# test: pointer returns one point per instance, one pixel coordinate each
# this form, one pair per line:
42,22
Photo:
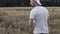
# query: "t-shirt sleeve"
32,14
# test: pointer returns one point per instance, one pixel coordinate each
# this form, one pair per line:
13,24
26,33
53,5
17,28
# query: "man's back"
40,15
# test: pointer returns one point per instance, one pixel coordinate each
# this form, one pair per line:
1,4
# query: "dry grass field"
15,20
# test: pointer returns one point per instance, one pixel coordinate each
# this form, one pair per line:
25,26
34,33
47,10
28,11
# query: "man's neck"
37,5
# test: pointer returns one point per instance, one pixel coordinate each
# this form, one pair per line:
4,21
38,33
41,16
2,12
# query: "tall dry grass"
15,21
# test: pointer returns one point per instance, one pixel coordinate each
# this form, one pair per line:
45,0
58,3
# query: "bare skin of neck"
37,5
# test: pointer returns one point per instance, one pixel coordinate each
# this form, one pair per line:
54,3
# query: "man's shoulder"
35,8
38,7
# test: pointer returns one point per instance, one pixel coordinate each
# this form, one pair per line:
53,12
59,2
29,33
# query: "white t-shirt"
40,15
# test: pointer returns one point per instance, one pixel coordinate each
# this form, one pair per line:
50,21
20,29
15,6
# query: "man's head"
35,2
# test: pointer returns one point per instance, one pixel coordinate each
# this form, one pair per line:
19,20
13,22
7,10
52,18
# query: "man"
38,18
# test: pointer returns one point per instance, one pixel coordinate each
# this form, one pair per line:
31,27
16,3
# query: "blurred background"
14,16
26,3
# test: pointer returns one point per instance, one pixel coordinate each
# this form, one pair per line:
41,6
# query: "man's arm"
32,17
31,23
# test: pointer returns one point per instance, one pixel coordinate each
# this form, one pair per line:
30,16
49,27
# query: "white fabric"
41,33
38,1
40,16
